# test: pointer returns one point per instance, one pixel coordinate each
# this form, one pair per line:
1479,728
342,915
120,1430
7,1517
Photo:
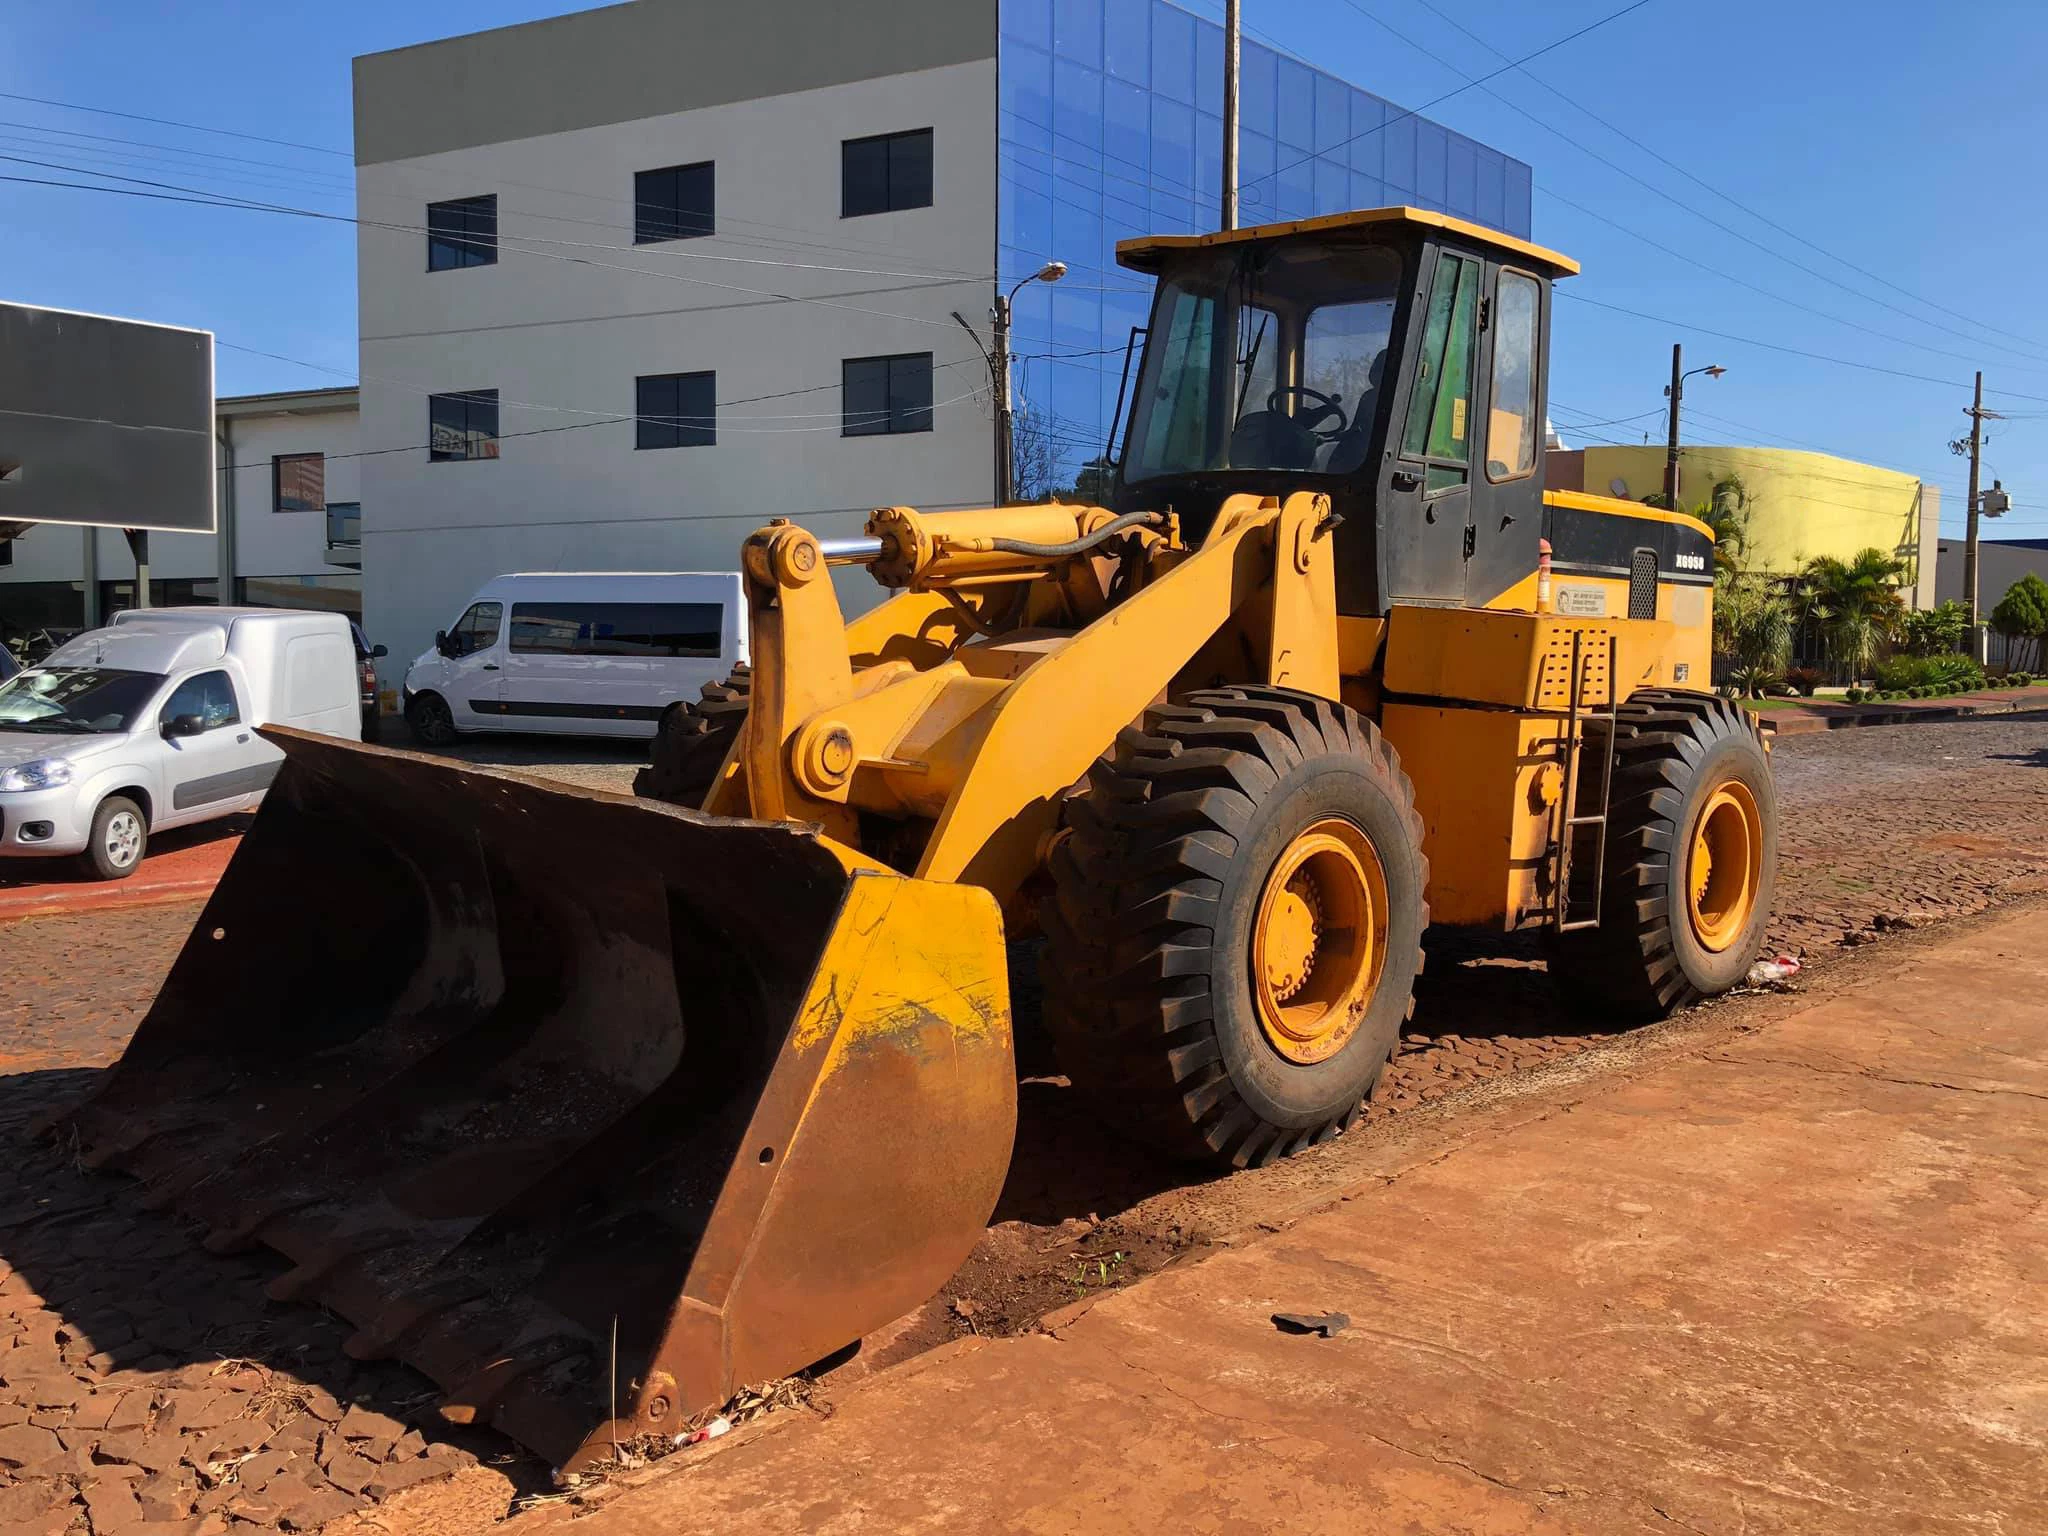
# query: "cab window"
477,629
1439,429
210,696
1511,419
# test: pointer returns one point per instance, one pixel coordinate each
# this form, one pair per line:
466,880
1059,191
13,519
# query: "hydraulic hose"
1080,546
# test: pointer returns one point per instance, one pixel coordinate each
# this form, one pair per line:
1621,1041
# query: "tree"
1855,603
1091,485
1934,631
2022,616
1726,512
1034,458
1752,631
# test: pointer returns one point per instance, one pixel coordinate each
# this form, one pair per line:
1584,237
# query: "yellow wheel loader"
595,1107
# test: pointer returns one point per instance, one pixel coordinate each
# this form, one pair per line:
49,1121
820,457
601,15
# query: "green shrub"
1929,672
1854,696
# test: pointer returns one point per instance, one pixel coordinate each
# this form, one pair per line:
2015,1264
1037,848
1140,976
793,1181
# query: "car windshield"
76,700
1266,357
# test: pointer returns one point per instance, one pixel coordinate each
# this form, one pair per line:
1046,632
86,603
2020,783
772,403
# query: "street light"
1679,374
999,365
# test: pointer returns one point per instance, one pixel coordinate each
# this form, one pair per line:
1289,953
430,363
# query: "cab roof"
1147,254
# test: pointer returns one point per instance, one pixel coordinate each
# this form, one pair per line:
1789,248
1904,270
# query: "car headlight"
43,773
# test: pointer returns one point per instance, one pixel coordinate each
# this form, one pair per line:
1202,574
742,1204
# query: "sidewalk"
1806,718
182,866
1791,1282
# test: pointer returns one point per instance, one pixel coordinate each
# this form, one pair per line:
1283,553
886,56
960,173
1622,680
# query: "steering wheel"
1325,409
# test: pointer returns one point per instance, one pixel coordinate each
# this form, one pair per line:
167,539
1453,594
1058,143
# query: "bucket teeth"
241,1233
478,1394
310,1275
381,1336
529,1069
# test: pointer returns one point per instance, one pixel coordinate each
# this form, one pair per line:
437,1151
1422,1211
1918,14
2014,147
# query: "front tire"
1235,926
1692,854
430,720
119,839
692,742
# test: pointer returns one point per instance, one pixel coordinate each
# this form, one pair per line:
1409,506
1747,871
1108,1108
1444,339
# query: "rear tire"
692,741
430,720
1163,960
1691,777
119,839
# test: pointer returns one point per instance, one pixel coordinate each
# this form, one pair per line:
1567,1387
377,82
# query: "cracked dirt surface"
1778,1275
1886,831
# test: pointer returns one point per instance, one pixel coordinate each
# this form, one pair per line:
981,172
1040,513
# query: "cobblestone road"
144,1389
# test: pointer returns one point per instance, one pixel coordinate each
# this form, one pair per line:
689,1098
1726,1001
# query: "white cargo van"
580,653
150,723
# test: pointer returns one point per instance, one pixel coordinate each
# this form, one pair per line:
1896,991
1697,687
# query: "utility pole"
1676,392
1970,541
999,372
1671,445
1232,36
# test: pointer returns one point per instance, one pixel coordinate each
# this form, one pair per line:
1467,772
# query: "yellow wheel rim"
1726,866
1320,941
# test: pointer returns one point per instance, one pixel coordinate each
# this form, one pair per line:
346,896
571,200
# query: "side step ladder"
1578,896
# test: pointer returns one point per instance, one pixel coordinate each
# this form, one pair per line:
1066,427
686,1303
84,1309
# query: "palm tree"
1726,512
1855,603
1752,631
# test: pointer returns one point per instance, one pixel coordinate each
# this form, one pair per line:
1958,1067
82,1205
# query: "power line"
165,122
1705,185
1772,346
2037,359
1402,116
251,205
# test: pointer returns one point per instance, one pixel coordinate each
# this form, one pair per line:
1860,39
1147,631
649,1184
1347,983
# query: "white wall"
272,543
563,342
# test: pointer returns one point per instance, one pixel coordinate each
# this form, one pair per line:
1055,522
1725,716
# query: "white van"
150,723
579,653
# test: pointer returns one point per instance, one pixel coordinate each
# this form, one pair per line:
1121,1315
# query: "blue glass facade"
1111,128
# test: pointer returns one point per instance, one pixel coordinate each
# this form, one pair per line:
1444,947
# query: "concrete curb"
1834,717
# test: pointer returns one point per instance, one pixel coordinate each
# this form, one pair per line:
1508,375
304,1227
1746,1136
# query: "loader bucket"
509,1070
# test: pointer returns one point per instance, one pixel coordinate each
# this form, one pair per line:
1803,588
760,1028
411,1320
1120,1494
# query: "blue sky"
1890,134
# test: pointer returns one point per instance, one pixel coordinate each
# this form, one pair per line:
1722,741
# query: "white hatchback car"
151,723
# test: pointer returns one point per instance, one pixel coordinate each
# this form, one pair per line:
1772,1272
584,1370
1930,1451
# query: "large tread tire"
691,743
1148,991
1671,751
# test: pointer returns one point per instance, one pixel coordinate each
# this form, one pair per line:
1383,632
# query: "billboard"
105,422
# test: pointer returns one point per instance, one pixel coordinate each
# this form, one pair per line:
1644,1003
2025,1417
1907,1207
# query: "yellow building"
1800,504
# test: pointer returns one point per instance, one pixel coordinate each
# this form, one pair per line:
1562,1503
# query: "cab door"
214,762
474,660
1426,486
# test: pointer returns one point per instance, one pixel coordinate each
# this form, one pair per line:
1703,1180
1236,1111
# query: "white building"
531,202
289,512
634,280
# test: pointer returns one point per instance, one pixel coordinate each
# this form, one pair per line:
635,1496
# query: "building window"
462,426
679,203
887,394
345,523
298,482
463,233
677,410
885,173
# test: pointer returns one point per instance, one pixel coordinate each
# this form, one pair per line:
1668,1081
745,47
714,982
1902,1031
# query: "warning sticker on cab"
1582,602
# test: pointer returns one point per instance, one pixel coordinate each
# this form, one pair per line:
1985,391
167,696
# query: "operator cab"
1391,358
